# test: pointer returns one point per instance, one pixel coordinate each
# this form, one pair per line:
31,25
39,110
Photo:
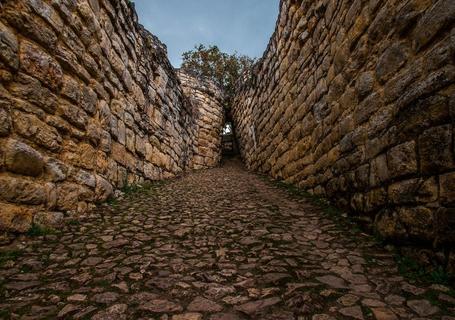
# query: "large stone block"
413,191
30,89
402,159
20,190
130,140
87,156
419,221
74,115
105,141
104,189
391,60
23,159
31,127
435,149
68,196
121,133
9,47
85,178
47,13
379,172
88,100
375,199
71,89
441,14
447,188
15,218
20,16
39,64
389,226
56,170
364,84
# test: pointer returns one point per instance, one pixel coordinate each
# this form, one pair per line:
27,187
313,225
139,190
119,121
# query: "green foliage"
9,255
131,190
412,270
37,231
4,314
225,69
322,203
74,222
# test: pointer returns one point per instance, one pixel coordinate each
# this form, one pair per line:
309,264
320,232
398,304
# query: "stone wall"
206,98
88,103
355,101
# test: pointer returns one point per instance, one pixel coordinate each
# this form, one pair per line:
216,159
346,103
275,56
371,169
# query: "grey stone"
391,60
22,159
105,298
160,306
439,15
19,190
204,305
402,159
435,149
364,84
259,306
5,122
423,307
56,170
8,47
332,281
352,312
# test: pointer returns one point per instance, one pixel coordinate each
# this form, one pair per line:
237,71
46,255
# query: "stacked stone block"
355,101
89,103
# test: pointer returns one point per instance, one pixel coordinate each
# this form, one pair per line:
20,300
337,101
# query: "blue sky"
244,26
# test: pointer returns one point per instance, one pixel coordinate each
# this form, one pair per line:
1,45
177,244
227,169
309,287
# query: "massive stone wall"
207,99
355,101
88,103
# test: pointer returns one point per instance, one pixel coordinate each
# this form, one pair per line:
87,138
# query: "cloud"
244,26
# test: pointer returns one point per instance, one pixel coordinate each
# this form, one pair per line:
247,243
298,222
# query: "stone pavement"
218,244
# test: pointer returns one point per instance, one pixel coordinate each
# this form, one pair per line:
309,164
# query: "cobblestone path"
219,244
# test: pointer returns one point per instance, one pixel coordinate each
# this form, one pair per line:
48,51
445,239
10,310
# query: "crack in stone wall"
354,101
89,103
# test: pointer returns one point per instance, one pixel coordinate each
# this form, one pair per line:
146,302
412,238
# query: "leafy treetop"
224,69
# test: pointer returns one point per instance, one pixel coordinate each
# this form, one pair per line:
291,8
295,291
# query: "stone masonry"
352,101
208,114
229,246
355,101
89,103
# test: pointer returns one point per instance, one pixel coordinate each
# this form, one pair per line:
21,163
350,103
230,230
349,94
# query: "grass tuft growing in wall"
10,255
131,190
412,270
38,231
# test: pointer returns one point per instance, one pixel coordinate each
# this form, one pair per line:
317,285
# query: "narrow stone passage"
216,244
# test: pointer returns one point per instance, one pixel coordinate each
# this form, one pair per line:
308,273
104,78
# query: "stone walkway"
219,244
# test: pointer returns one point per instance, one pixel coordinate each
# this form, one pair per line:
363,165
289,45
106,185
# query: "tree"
224,69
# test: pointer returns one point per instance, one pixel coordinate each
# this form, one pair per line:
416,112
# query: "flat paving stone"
220,244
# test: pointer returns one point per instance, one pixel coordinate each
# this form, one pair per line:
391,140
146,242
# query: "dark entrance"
228,142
